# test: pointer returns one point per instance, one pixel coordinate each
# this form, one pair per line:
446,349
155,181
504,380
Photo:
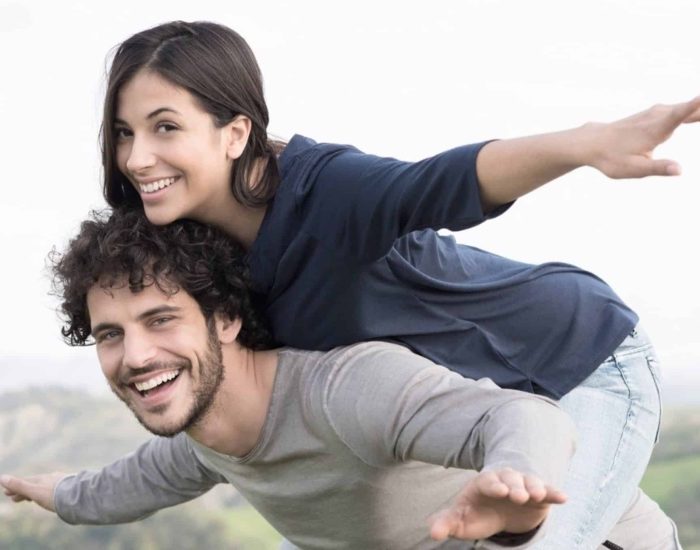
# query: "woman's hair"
214,64
123,248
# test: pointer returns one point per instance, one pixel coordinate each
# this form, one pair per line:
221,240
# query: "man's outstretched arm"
161,473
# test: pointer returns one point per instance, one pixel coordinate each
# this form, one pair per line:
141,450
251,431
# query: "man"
365,446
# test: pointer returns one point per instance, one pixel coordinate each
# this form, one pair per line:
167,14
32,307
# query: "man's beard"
211,375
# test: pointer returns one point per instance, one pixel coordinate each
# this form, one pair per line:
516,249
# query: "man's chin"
162,427
161,420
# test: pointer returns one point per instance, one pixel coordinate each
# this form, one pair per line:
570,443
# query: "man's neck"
234,422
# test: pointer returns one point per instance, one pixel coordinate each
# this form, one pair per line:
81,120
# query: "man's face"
157,353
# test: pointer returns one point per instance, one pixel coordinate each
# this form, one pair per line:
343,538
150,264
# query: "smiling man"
365,446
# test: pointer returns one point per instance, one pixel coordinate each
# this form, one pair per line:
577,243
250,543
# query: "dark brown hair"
123,247
214,64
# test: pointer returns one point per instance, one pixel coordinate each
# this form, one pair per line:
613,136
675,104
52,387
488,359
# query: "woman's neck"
238,221
241,223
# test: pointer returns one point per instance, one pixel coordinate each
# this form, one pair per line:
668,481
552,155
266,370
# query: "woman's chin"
161,216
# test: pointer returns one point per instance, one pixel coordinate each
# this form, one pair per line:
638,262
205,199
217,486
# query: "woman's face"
170,150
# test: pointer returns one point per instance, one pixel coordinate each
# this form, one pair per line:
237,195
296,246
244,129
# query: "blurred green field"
673,476
663,478
252,531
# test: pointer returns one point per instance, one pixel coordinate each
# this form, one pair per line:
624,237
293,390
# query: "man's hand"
495,501
624,148
38,489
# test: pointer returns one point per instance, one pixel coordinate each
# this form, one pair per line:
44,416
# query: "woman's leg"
617,411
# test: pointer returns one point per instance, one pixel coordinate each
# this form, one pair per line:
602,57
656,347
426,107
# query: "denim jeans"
617,412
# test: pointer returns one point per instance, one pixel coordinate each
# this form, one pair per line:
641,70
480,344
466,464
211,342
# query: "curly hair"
123,247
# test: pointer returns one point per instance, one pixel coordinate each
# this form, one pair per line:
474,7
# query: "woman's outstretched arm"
510,168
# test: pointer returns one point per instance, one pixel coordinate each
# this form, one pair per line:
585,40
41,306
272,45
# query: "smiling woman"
234,89
173,154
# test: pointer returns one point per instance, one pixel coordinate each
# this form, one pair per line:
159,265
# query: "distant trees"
174,529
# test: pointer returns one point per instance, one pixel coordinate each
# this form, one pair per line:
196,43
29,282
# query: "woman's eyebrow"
150,115
161,110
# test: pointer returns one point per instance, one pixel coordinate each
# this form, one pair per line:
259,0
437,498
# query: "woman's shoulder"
302,152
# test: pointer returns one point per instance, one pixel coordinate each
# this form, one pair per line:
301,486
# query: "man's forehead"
117,298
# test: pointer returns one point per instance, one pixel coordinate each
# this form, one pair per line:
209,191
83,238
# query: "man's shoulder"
365,354
355,368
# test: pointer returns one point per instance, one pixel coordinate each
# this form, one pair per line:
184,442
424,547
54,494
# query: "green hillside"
673,477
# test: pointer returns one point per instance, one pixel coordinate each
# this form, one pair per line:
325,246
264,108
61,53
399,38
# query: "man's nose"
141,155
139,351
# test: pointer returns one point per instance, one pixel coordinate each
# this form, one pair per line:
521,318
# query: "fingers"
441,524
38,489
14,487
688,111
517,487
642,166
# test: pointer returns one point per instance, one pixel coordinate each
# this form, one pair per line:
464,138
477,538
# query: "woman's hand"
624,148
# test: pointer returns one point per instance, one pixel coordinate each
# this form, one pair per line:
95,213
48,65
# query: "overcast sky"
405,79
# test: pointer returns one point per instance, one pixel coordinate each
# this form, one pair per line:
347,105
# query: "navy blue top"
348,251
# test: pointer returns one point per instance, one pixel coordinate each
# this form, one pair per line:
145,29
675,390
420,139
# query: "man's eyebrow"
151,114
158,310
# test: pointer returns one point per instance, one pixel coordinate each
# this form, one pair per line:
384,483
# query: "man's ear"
227,329
236,134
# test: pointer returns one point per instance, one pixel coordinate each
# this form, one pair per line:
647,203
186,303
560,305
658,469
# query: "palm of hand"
495,501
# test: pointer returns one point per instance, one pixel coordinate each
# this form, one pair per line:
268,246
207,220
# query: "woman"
343,245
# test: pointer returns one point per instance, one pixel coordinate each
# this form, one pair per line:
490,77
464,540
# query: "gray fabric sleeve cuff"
57,499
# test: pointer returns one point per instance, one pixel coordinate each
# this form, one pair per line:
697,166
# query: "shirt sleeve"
362,203
163,472
390,405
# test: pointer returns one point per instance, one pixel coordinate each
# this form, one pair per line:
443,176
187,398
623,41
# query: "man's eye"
109,335
161,321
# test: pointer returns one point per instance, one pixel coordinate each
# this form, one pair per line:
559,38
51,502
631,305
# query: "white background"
404,79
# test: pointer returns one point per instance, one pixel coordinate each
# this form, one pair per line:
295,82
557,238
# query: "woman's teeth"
156,185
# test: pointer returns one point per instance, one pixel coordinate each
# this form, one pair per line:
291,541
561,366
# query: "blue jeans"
617,412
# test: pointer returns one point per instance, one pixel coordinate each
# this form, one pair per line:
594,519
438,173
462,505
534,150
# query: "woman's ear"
236,134
227,329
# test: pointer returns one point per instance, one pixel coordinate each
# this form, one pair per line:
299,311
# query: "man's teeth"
156,185
156,380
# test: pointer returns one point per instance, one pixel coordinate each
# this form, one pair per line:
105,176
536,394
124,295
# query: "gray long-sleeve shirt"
360,445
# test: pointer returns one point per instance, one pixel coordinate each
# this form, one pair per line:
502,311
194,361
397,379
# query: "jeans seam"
650,359
585,526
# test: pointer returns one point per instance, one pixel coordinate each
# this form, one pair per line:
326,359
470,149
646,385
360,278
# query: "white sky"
405,79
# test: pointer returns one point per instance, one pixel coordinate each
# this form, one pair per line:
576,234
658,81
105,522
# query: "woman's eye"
122,133
165,127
